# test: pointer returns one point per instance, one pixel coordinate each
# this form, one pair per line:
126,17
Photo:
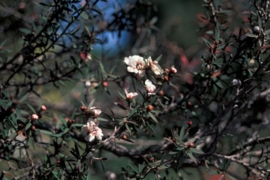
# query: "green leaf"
153,117
217,33
122,95
88,176
154,20
32,142
134,168
5,103
50,133
150,127
91,103
113,76
32,109
132,113
227,164
77,125
46,132
207,42
65,131
55,174
64,122
28,126
128,128
189,153
23,98
182,133
196,151
102,68
251,35
61,82
101,119
158,58
23,112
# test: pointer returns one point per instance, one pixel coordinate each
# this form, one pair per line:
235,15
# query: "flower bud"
161,93
87,83
166,78
83,108
150,107
105,84
43,108
33,128
34,117
173,70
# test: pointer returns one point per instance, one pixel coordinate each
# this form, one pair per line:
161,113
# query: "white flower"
153,65
130,95
150,87
91,131
94,111
136,64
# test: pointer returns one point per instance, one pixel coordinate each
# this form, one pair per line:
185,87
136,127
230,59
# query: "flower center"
139,66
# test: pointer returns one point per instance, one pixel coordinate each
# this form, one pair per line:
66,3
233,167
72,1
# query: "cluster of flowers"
90,130
138,65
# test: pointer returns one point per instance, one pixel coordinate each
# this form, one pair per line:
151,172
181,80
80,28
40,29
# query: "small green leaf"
64,122
102,68
28,126
189,153
61,82
55,174
91,103
196,151
50,133
134,168
65,131
88,176
227,164
152,129
251,35
122,95
132,113
182,133
32,109
101,119
153,117
128,128
158,58
77,125
46,132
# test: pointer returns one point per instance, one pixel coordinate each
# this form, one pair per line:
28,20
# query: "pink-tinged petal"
150,87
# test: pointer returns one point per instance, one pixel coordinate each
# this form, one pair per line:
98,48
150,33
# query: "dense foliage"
151,109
